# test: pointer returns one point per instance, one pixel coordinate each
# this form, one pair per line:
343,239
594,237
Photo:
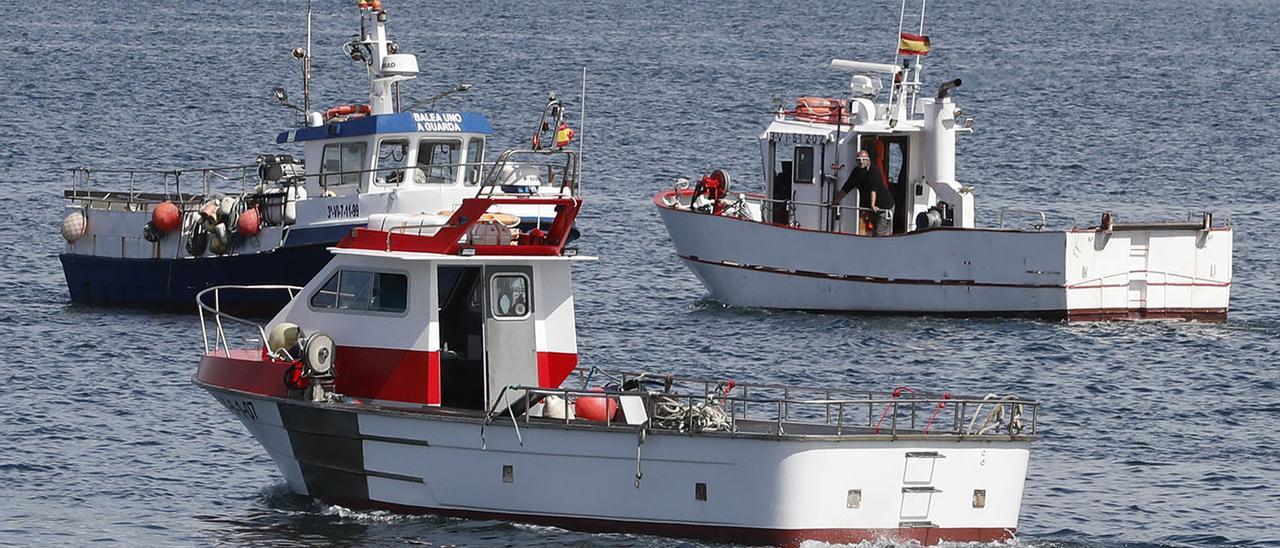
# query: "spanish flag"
913,44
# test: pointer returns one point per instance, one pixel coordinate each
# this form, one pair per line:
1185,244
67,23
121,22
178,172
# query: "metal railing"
549,173
1038,226
169,186
220,337
737,207
407,228
774,410
792,204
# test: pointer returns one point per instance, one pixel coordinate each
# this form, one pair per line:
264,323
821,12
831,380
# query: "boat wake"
367,516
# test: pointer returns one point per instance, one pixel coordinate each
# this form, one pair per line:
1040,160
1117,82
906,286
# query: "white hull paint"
429,463
1079,274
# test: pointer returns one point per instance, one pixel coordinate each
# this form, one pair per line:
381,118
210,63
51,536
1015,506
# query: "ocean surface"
1153,433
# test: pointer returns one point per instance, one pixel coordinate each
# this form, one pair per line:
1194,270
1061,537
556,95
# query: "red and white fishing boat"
795,247
430,368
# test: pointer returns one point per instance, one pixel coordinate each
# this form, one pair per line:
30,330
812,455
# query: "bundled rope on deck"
995,418
704,416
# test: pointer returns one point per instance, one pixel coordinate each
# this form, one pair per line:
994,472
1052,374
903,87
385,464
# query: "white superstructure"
794,246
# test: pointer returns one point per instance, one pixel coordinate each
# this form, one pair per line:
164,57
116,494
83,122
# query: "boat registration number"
797,138
240,408
344,211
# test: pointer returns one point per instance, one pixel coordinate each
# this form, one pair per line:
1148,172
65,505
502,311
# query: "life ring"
821,109
347,110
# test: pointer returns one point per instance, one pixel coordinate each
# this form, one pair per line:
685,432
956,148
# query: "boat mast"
386,65
306,65
893,88
582,128
915,89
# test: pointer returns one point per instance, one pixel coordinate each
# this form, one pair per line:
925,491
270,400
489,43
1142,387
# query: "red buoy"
249,222
166,217
595,408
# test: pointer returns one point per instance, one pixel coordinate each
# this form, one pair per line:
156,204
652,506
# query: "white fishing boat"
797,246
168,234
430,369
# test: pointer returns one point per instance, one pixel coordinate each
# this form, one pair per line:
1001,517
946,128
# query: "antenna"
432,100
582,128
919,62
902,12
306,64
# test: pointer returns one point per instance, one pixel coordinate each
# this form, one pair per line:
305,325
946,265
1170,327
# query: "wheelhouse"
807,153
389,152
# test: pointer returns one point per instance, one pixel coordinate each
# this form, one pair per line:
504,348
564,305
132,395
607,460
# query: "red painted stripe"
434,380
1075,314
411,376
245,371
742,535
1119,314
555,367
383,373
868,279
914,281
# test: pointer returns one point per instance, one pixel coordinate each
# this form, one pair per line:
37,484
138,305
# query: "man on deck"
873,192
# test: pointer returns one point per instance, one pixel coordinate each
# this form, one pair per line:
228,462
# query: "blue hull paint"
328,235
173,283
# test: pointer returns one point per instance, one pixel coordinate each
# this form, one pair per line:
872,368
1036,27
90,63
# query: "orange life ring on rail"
821,109
347,110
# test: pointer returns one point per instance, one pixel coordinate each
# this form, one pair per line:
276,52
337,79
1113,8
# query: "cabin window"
509,296
804,165
363,291
475,160
393,156
346,159
438,161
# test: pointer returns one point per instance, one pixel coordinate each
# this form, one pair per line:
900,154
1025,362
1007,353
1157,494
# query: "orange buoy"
166,217
596,408
249,222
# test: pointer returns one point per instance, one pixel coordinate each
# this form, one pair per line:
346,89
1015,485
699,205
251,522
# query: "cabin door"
895,160
510,355
806,189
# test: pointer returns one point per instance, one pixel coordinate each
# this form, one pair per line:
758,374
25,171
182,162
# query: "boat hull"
756,490
1077,275
172,283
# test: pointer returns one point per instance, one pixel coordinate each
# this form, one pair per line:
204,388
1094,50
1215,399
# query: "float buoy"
226,207
284,336
198,242
150,234
596,408
166,217
555,407
248,222
209,210
219,244
74,226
